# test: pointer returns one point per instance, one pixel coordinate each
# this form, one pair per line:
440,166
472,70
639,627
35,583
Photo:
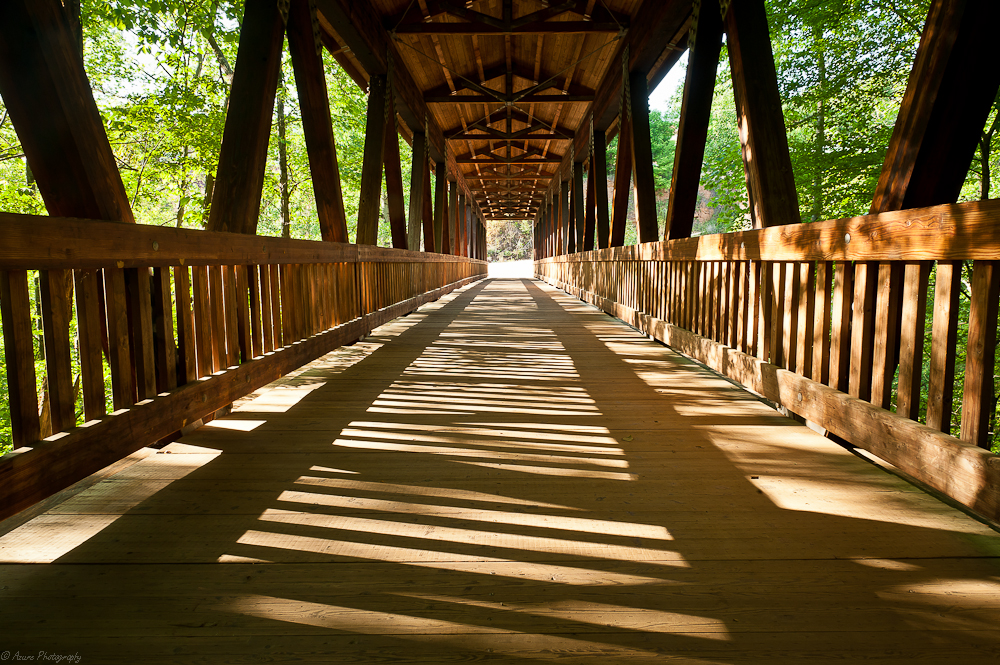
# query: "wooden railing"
828,320
181,322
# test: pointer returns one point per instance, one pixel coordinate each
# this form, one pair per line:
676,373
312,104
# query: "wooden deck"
506,475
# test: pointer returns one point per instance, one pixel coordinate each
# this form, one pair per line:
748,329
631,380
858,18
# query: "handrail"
826,318
184,322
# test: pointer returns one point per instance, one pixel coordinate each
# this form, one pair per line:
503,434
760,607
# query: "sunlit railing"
829,320
138,331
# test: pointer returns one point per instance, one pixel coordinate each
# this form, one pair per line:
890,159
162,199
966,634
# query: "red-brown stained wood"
254,284
47,94
163,331
642,158
440,207
766,160
948,98
394,181
579,221
790,318
599,172
267,324
310,81
418,170
840,337
276,326
120,360
88,326
19,354
231,311
590,209
947,288
862,330
623,178
806,320
56,293
451,224
141,323
886,349
370,198
217,310
427,215
187,369
244,313
239,180
979,400
911,343
692,131
822,314
203,320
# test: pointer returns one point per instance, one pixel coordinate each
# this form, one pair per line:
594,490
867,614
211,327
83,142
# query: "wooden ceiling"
507,90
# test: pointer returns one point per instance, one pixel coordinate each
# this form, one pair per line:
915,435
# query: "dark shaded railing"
154,328
828,321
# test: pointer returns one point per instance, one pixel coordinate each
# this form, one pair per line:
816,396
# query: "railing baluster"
203,320
947,285
978,400
821,323
911,343
116,304
807,305
19,354
163,331
56,292
840,339
886,334
88,317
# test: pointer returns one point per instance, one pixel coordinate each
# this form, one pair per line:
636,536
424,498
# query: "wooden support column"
448,243
310,81
239,180
766,162
370,199
599,172
418,169
642,159
569,218
623,177
46,92
460,234
393,178
440,207
590,210
696,110
428,211
947,100
577,206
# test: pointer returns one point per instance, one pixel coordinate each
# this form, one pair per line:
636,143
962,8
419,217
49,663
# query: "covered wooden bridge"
284,467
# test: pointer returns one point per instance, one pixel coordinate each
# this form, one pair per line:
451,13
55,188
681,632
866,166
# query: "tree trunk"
206,206
820,143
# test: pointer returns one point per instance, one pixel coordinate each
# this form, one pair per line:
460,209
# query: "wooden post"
243,155
590,210
948,98
440,207
696,109
460,249
768,167
46,92
427,214
448,246
599,172
370,199
623,177
418,169
569,218
310,81
642,158
579,222
394,181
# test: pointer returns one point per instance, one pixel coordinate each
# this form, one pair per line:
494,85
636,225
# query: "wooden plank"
577,210
840,336
642,158
244,311
370,198
599,172
773,198
394,181
696,107
120,356
50,102
203,320
822,314
806,320
56,295
231,316
258,322
947,101
88,317
163,331
451,221
979,401
140,315
567,241
887,349
266,312
187,369
418,171
440,207
19,355
791,315
42,242
239,180
911,343
310,82
276,308
947,288
863,330
217,311
427,214
623,178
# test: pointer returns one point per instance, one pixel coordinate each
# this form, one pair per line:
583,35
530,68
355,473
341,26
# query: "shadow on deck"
505,475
